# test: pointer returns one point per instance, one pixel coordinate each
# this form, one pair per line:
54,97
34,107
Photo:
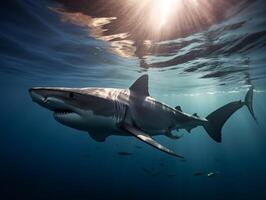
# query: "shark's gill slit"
120,111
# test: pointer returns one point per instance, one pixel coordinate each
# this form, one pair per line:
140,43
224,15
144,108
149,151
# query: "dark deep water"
46,43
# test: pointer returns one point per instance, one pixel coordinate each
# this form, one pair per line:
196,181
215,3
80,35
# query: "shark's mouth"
63,112
65,115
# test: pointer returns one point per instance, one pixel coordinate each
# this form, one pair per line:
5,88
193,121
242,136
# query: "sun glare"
166,7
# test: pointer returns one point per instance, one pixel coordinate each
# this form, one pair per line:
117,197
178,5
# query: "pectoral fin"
149,140
98,137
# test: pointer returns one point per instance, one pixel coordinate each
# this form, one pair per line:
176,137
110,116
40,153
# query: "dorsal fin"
178,108
195,114
189,129
140,86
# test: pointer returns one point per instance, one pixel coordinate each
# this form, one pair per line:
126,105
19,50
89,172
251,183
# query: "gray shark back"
105,102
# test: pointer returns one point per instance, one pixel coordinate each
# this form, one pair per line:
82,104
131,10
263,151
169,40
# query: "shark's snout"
60,102
36,95
48,98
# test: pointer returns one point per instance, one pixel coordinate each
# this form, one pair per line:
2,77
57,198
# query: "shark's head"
65,104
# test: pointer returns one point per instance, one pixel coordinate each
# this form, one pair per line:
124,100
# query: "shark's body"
108,111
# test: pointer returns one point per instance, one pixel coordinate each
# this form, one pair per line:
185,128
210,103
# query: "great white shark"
130,112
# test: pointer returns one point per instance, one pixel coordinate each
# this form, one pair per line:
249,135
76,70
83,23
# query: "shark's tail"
217,118
249,102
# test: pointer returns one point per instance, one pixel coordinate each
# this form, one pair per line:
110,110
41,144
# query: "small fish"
124,153
146,170
217,160
211,174
86,155
182,160
138,147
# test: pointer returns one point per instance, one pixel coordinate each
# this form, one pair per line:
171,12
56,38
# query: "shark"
130,112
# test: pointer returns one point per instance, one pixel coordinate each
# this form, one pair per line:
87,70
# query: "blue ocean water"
45,43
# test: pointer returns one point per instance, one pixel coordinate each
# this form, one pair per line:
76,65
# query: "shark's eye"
71,95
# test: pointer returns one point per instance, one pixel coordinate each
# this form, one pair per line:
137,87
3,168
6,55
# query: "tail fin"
249,102
217,118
